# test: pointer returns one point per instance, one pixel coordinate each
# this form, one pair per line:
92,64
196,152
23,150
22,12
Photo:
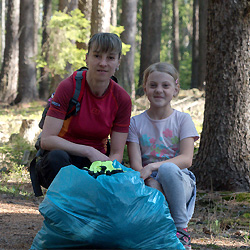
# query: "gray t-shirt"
159,140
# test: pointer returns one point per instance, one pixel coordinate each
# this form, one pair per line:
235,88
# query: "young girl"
161,145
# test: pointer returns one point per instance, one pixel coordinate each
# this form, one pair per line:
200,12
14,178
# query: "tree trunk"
9,69
195,46
125,74
65,6
113,18
100,17
86,8
202,43
223,160
176,40
3,30
27,90
44,82
151,37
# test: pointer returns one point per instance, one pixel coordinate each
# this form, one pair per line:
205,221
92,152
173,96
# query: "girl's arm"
118,141
134,154
50,140
183,160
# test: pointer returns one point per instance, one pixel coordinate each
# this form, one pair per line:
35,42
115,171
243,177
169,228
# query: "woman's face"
101,65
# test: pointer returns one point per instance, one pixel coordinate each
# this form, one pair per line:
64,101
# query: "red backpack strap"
79,82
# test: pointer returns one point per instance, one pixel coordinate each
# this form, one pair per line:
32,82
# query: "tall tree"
113,18
125,74
151,36
176,40
202,43
223,158
101,16
2,30
27,90
195,46
44,80
65,6
9,69
86,8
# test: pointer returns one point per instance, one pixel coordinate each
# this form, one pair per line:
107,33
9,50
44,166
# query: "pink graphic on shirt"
163,152
153,153
152,140
168,133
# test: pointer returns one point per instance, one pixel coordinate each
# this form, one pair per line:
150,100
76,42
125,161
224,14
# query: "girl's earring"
117,68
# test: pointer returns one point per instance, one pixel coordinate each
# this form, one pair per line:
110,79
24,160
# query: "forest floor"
221,220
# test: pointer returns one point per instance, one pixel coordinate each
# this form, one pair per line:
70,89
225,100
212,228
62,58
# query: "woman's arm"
134,154
118,141
50,140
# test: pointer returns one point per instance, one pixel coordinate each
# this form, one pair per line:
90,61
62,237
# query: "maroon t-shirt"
98,116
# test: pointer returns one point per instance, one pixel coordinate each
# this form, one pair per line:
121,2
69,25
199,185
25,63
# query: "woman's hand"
96,155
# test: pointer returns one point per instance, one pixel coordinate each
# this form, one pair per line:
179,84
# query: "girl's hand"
146,171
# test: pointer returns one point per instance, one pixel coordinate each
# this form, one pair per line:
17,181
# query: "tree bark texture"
113,18
44,82
125,74
223,160
195,46
9,69
67,5
3,29
151,36
202,43
176,40
86,8
27,90
101,16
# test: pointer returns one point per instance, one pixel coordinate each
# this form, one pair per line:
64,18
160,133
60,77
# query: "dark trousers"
51,162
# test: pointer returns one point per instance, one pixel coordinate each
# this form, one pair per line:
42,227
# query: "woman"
105,111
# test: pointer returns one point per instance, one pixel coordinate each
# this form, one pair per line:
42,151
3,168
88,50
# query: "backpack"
73,109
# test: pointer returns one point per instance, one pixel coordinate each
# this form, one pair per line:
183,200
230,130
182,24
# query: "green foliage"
118,30
65,31
12,153
166,35
15,190
239,197
186,70
125,156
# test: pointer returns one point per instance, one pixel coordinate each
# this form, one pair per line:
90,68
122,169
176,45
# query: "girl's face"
160,89
101,65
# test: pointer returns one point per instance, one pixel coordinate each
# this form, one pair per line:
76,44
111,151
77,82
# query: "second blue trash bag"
112,212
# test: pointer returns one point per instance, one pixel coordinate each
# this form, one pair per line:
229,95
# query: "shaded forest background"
42,42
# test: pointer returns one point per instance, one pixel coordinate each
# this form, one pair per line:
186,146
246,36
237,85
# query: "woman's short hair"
105,42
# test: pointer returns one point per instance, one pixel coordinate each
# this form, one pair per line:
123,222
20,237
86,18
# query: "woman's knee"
58,157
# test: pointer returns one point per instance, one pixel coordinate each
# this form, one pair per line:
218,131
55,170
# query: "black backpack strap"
74,104
34,179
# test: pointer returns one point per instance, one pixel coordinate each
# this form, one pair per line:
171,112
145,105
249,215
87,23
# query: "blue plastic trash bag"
109,212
